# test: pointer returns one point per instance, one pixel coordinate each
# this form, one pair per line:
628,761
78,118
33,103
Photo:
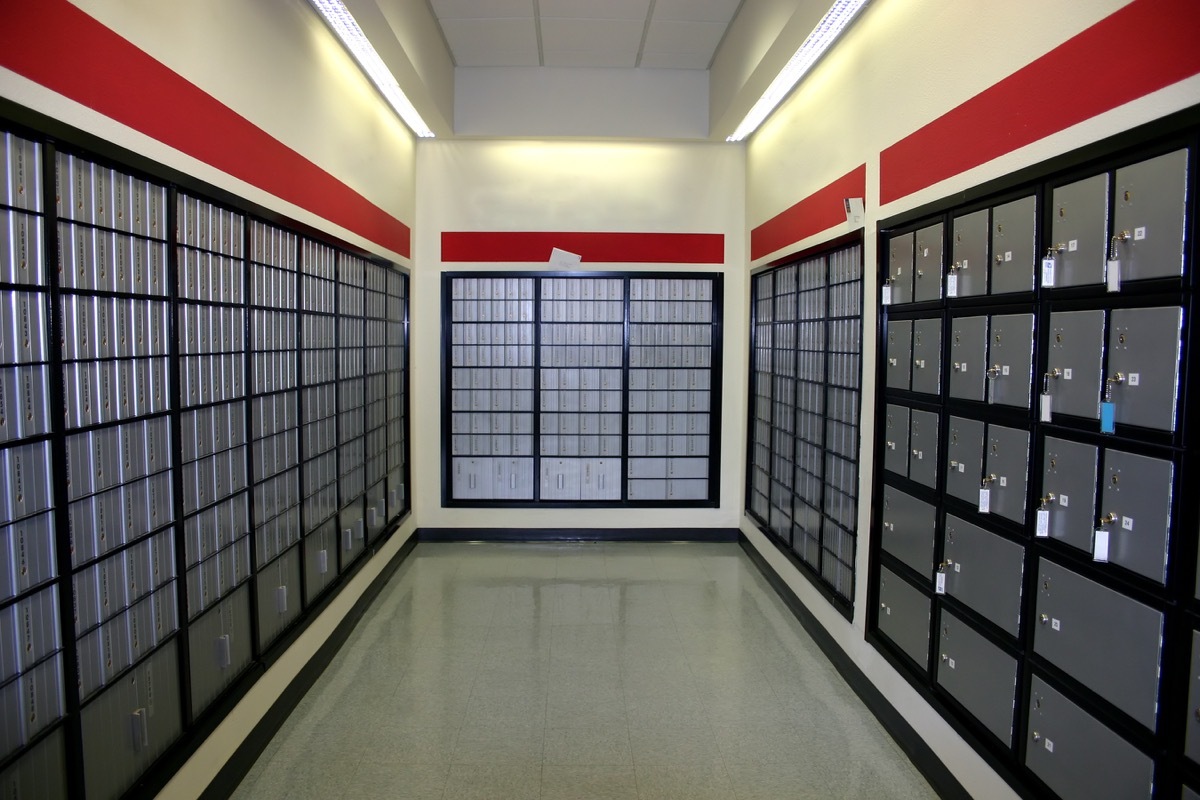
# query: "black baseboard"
577,534
240,763
918,751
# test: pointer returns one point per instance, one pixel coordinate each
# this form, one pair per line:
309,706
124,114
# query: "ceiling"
650,34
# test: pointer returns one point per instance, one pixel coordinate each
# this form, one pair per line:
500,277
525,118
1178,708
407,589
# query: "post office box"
964,458
904,616
1078,756
984,571
1013,254
1135,511
649,489
1148,224
40,772
1068,499
1073,377
1006,471
1142,379
900,268
1010,359
908,528
1079,233
927,356
923,448
927,264
21,258
968,357
22,161
896,438
1102,638
978,674
899,354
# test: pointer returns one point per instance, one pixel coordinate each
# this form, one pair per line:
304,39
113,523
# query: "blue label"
1108,417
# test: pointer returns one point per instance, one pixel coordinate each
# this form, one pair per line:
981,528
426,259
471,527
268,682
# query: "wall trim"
527,535
494,247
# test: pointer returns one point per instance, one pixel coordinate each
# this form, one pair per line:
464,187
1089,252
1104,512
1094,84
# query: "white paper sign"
985,501
1112,275
951,285
939,586
1047,272
1042,529
1046,402
1100,546
887,295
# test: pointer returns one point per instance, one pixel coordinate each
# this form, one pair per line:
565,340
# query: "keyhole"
999,229
1058,338
1128,195
954,438
995,450
957,339
1115,479
1121,338
1062,211
1053,463
997,337
1045,584
1037,703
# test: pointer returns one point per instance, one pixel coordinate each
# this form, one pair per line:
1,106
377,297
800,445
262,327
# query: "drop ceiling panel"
591,34
595,9
695,10
589,58
481,9
698,61
673,36
492,42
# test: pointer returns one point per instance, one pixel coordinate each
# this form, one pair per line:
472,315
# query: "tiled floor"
581,671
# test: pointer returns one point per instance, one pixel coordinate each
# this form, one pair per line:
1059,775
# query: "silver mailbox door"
1143,347
1013,252
968,355
1105,640
1148,217
895,452
923,448
1069,474
984,571
904,616
978,674
1136,491
1077,756
927,270
1007,465
969,262
899,354
927,356
1010,359
900,268
1074,363
964,458
908,525
1192,745
1079,234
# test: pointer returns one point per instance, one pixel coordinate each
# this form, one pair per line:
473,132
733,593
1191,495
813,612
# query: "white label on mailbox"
1055,625
1067,373
965,264
1112,275
985,501
887,295
1135,378
925,250
1072,245
950,663
1049,745
962,467
1139,233
1004,370
1043,523
889,611
962,367
1008,255
1047,272
1127,523
1064,500
920,455
939,584
1046,403
951,285
1100,546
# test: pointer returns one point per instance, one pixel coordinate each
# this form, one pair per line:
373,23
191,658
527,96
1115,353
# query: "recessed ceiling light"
343,24
841,14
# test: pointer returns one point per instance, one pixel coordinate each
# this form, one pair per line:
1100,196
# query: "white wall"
902,65
575,186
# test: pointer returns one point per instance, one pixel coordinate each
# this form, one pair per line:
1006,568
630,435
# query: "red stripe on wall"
1146,46
53,43
820,211
616,248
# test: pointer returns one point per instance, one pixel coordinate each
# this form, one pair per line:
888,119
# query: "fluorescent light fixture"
343,24
840,14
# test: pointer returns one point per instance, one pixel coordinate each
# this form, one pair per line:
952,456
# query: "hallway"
593,671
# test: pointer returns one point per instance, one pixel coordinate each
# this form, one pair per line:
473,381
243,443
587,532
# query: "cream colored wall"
575,186
902,65
275,63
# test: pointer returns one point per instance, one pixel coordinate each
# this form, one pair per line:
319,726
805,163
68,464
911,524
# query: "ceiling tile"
595,9
591,34
683,37
492,42
589,58
695,10
481,9
664,60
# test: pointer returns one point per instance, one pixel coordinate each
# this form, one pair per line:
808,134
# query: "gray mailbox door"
1006,468
927,356
1136,492
1074,365
904,616
969,256
964,458
978,674
1079,238
900,268
927,270
895,443
1013,252
1148,217
908,525
968,356
899,354
1069,474
1010,359
923,448
984,571
1143,365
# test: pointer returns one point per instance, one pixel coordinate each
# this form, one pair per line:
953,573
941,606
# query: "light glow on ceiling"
840,15
342,23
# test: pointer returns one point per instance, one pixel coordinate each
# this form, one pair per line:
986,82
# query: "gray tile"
500,744
683,782
591,745
493,781
588,783
665,745
383,780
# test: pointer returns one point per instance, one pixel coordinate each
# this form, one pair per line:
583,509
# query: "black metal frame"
1175,599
